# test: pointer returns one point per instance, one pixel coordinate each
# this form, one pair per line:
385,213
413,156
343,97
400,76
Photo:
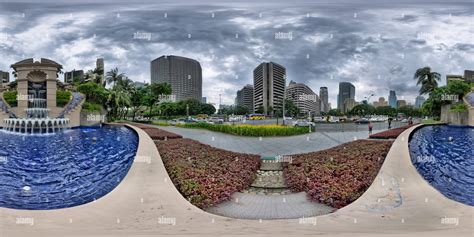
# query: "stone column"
22,94
51,88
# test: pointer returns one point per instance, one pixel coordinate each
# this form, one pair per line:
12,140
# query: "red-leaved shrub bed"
206,175
159,134
339,175
156,133
391,134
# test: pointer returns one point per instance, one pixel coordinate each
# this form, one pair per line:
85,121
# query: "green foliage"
249,130
461,107
291,109
62,98
410,111
180,108
10,98
334,112
87,106
362,110
95,93
386,110
427,79
458,88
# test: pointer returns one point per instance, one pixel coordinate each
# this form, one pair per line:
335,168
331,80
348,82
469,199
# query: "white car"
303,123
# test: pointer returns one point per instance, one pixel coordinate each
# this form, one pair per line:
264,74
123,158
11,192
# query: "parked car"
362,121
216,120
303,123
175,122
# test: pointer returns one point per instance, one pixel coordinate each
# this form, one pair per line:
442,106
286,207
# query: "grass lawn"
249,130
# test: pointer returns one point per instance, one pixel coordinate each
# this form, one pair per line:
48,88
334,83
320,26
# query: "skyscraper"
346,91
245,97
303,97
419,101
183,74
99,64
323,96
380,103
392,99
4,77
74,74
269,80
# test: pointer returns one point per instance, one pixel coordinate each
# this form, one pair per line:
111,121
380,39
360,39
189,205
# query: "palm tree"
113,76
427,79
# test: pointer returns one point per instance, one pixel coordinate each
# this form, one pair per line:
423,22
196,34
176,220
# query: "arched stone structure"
31,71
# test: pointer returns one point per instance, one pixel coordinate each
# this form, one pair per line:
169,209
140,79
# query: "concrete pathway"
269,207
399,203
270,146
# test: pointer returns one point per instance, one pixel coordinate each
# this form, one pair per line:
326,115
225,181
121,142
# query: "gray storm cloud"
376,46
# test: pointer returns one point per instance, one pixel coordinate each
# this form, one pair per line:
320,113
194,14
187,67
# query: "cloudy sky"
376,46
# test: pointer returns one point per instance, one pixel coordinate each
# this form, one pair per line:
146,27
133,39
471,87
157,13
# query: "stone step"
269,180
271,166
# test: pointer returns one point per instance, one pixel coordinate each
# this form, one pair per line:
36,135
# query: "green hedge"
62,98
91,107
249,130
10,98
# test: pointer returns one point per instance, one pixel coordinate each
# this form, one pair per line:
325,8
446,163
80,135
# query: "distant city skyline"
376,47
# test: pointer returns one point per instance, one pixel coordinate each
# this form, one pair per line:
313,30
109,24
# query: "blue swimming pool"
444,156
65,169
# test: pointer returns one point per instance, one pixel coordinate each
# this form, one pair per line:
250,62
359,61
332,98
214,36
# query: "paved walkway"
270,146
268,207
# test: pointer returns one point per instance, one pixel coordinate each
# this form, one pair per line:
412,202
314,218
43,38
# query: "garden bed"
156,133
206,175
249,130
392,133
339,175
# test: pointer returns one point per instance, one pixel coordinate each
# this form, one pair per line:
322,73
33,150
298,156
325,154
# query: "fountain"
37,99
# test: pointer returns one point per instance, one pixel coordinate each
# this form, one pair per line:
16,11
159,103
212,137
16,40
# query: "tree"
335,112
458,88
427,79
154,93
113,76
208,109
385,110
94,93
291,109
240,110
137,97
362,110
259,110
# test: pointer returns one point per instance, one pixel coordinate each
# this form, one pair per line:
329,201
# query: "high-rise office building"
4,77
74,74
324,97
244,97
204,100
381,102
401,103
100,65
346,91
419,101
348,105
469,76
303,97
183,74
392,99
269,80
